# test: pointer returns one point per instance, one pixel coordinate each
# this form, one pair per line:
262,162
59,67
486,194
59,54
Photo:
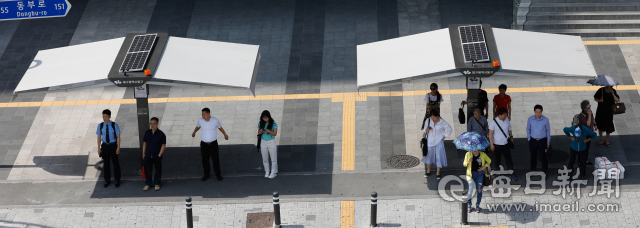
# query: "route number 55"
4,9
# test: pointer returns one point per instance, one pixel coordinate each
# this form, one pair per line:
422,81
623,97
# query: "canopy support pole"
142,105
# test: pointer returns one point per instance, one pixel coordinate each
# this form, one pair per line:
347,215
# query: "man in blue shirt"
109,147
154,143
539,136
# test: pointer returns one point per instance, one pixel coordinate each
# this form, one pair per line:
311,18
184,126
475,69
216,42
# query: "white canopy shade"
423,54
73,66
429,55
184,61
542,54
208,62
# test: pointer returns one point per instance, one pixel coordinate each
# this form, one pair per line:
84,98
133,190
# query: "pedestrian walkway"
517,211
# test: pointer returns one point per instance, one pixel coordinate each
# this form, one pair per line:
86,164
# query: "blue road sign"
28,9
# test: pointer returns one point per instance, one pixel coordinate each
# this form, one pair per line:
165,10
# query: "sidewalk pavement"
308,213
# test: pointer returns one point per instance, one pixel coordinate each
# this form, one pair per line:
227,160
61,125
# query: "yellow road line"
610,42
358,96
347,212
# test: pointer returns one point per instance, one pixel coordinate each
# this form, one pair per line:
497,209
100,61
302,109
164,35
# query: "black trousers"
506,151
587,151
582,162
210,151
538,147
148,163
109,156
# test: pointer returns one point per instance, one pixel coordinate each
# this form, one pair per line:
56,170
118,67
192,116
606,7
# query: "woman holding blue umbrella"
606,98
477,162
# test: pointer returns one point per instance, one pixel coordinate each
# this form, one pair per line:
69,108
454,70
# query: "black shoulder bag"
424,143
484,129
509,139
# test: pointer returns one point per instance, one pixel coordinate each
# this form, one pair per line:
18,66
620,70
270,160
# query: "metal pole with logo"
141,93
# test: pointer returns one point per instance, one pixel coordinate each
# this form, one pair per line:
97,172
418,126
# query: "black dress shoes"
106,184
219,177
205,178
118,184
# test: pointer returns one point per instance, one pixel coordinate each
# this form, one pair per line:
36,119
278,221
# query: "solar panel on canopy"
473,43
138,53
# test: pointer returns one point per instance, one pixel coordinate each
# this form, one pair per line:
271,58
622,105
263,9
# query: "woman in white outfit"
268,129
435,131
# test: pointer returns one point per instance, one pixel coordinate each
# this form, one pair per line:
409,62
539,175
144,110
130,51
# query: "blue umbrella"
603,80
471,141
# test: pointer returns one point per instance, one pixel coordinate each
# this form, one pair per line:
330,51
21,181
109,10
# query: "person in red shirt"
502,100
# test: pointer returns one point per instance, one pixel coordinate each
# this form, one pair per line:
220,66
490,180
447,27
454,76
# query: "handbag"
488,179
424,144
461,116
144,175
259,141
618,108
509,139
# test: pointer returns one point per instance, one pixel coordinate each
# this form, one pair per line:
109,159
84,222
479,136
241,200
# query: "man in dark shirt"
155,141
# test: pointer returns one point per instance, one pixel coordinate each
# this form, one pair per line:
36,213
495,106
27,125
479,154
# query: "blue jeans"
476,184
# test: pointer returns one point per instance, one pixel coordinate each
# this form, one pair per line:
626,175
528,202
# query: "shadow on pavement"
234,159
241,166
4,223
67,165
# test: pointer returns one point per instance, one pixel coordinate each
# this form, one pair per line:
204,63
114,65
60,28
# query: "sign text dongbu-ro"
25,9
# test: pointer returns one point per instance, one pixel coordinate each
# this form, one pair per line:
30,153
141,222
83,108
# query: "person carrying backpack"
109,147
581,135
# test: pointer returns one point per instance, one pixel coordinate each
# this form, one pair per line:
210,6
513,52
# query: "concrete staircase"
587,18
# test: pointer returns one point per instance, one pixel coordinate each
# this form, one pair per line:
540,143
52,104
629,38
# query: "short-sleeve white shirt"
209,129
429,97
498,137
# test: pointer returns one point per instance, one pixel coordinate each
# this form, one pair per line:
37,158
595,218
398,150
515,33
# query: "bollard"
189,214
374,208
464,213
276,210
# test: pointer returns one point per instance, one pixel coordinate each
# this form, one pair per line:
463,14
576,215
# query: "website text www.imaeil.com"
553,207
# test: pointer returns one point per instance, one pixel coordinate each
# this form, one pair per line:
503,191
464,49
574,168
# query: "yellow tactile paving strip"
333,96
610,42
347,212
348,128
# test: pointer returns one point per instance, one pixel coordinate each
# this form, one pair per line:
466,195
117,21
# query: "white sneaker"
273,175
266,175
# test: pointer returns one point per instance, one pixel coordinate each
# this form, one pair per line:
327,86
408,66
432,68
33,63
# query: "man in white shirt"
498,139
209,143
